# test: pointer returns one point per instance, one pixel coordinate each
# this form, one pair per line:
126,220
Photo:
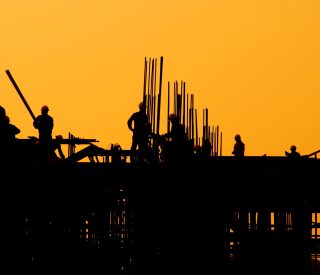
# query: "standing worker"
3,122
239,147
8,134
44,124
138,124
293,152
12,130
177,146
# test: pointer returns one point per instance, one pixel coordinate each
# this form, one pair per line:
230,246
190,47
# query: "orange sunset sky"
254,64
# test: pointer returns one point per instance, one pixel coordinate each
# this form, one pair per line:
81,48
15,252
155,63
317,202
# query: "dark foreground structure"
256,215
164,214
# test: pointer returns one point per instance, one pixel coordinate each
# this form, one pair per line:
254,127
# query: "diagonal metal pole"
20,94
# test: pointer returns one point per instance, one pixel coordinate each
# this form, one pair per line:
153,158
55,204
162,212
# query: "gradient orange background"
254,64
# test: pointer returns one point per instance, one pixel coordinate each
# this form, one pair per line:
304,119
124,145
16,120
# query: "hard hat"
293,148
141,105
44,108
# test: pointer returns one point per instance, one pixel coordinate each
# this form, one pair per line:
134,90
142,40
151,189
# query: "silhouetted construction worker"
3,122
44,124
293,152
206,148
8,134
2,112
8,131
138,124
177,148
239,147
11,130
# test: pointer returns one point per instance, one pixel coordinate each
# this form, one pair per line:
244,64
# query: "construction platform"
256,215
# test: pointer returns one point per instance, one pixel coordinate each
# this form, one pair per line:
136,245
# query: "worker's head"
141,105
173,117
59,137
237,137
293,148
44,109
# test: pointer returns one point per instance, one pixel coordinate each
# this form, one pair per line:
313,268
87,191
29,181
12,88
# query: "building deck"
252,215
